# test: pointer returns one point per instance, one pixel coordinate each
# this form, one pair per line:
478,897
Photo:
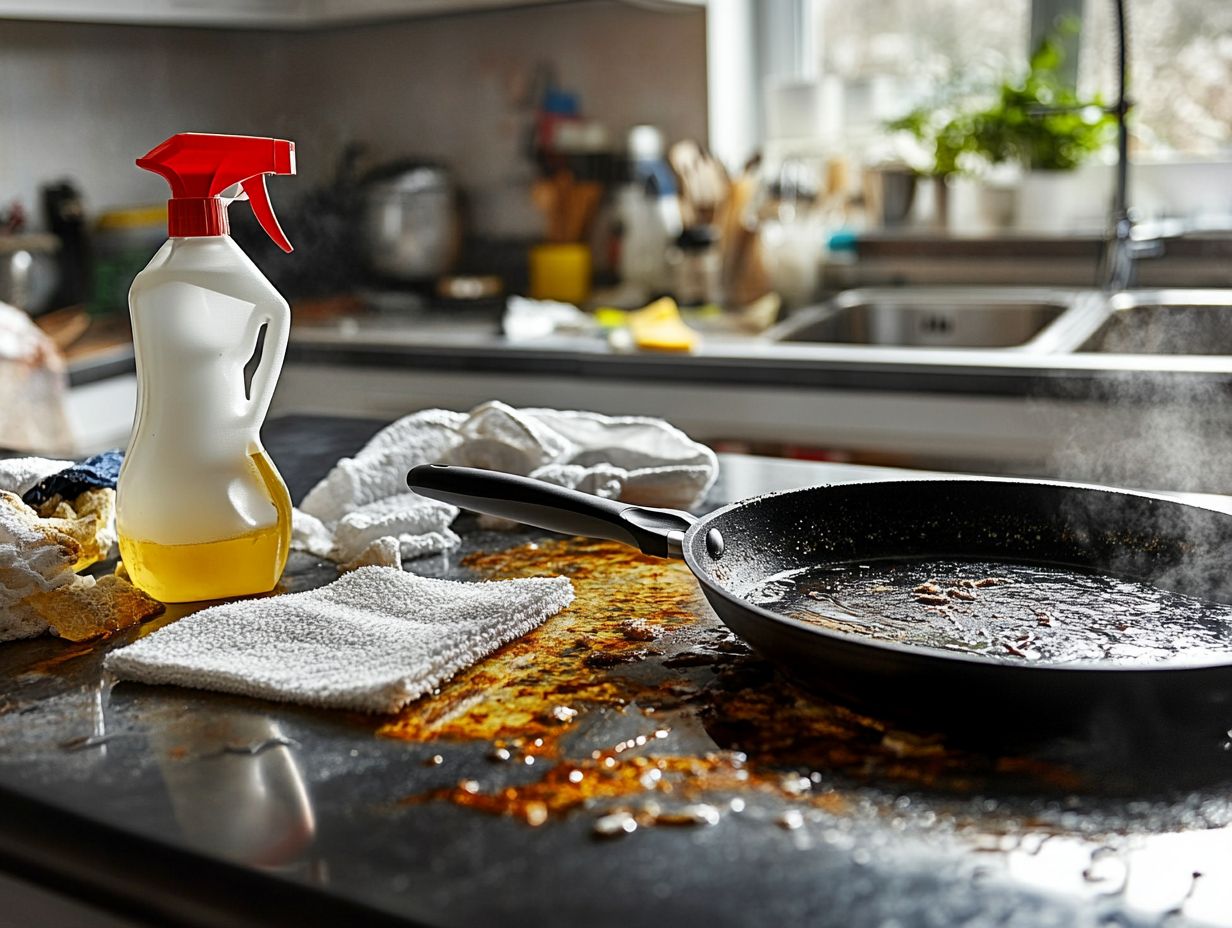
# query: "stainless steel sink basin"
946,317
1165,322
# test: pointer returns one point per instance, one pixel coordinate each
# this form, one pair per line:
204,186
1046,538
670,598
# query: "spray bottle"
200,510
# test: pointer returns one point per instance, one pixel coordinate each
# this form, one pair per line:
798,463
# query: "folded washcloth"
641,460
373,640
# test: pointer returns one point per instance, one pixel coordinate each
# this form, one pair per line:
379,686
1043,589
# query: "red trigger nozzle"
200,166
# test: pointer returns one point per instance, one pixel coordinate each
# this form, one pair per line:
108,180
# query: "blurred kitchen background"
890,230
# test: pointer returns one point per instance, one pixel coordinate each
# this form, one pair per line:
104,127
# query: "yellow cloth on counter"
659,327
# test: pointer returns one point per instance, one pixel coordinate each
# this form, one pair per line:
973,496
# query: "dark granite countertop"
182,807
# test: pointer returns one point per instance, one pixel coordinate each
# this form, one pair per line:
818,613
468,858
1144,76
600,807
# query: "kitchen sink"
1165,322
948,317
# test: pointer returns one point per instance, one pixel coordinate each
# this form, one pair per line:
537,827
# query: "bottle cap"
200,167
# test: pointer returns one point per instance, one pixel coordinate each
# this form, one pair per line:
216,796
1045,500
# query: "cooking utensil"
410,226
569,205
736,549
703,182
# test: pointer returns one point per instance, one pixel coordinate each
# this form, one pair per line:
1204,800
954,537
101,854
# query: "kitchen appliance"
65,212
737,549
28,272
409,221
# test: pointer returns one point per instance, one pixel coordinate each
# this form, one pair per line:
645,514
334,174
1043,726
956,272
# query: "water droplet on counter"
615,825
790,820
698,813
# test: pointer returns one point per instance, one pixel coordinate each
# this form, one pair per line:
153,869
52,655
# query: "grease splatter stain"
640,642
511,696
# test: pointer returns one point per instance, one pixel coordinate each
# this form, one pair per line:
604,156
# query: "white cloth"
34,558
637,459
373,640
34,384
527,320
19,475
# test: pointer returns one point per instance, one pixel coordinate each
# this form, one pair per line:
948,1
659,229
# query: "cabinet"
259,14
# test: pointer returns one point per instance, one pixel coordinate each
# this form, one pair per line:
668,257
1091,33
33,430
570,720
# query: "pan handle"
657,532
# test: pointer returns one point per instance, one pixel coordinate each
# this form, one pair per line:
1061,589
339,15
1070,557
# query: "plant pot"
1061,202
977,207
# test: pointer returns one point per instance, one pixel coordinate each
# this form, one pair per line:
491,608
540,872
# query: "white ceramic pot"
1062,202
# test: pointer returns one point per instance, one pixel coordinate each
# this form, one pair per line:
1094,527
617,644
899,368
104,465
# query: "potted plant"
1036,124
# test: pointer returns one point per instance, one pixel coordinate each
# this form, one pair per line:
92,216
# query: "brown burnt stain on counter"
650,779
640,640
567,663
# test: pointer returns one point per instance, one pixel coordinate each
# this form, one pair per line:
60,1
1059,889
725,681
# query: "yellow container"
560,271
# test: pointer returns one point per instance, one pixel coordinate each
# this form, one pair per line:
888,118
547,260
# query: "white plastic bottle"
201,511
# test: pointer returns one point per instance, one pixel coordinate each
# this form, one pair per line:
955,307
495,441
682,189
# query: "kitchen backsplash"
81,101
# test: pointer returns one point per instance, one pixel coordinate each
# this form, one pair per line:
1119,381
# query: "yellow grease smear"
241,566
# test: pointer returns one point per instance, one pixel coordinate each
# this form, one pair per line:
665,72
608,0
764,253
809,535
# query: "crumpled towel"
34,384
19,475
34,558
72,492
100,472
640,460
39,588
373,640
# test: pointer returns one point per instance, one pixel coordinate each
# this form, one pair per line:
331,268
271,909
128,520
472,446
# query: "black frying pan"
1176,546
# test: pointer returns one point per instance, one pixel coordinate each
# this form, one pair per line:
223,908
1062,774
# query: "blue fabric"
102,470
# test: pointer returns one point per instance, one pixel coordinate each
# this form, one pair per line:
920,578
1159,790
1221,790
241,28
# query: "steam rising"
1161,432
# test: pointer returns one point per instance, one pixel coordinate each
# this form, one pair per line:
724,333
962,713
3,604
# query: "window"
930,43
1181,72
1180,57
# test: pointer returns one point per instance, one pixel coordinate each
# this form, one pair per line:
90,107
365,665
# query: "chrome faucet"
1121,249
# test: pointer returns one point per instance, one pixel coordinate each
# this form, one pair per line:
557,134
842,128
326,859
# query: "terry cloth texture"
372,641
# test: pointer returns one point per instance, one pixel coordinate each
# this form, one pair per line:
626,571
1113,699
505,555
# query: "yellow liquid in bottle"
240,566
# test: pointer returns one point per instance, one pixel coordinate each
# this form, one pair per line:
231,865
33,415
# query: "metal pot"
28,271
409,223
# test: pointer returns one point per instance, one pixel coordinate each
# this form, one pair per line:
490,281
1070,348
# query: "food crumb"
638,630
535,813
